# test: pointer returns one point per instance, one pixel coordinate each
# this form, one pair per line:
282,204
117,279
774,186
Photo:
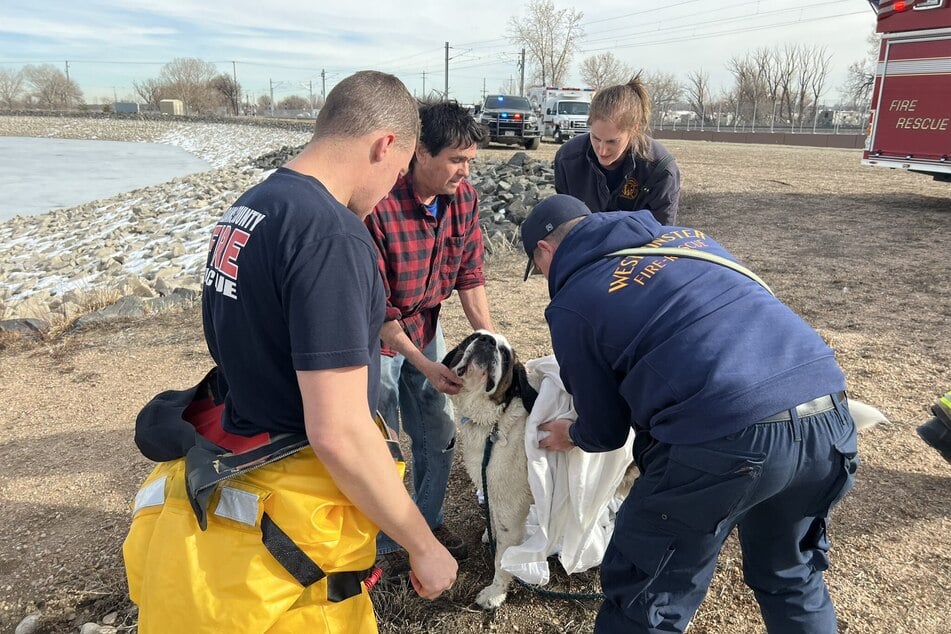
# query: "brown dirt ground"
861,253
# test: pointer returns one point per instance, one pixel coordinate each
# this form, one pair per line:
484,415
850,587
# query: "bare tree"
822,60
551,38
664,91
804,69
264,103
860,76
776,68
698,93
51,87
769,70
787,61
188,79
510,87
604,69
294,102
149,92
11,86
229,90
750,86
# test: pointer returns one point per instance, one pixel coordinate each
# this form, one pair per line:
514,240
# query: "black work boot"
452,542
937,431
393,567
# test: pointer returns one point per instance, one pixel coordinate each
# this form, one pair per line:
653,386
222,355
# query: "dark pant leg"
668,535
784,540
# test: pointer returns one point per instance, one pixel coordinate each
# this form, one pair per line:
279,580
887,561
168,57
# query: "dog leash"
554,594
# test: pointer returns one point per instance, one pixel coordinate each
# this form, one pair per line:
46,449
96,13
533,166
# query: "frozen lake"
37,175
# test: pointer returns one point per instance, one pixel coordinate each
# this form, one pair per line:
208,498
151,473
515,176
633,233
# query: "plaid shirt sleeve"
470,273
375,224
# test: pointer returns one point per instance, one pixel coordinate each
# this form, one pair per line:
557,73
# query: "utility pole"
521,66
323,84
446,93
311,85
271,82
67,83
237,93
484,93
424,84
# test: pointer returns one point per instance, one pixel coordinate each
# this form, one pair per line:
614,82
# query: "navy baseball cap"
544,218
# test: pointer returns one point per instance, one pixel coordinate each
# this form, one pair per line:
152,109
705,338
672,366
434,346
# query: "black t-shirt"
613,176
291,283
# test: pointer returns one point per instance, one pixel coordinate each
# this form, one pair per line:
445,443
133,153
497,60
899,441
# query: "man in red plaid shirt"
427,232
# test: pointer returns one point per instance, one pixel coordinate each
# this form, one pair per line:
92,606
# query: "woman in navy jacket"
612,167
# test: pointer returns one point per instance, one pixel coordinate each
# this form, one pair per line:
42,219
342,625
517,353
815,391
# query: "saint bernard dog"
495,400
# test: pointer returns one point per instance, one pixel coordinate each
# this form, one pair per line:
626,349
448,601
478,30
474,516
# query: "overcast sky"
288,43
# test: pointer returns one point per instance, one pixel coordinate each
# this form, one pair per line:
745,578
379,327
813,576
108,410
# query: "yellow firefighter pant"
223,579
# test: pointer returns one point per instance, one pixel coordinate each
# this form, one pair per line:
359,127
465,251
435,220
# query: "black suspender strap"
340,585
289,554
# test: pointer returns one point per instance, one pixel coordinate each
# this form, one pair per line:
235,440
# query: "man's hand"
432,572
558,438
442,378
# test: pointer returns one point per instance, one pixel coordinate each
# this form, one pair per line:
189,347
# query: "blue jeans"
426,415
775,482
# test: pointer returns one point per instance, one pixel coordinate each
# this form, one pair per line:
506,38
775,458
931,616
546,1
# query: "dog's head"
486,362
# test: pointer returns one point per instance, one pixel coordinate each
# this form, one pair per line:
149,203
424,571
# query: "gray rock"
127,307
519,158
133,285
188,292
29,625
517,212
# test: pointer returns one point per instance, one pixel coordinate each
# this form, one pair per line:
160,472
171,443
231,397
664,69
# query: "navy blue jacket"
577,174
687,349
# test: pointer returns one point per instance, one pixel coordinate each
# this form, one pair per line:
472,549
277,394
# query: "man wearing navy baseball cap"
547,216
738,405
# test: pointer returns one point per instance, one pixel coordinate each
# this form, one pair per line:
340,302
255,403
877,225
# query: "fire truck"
910,118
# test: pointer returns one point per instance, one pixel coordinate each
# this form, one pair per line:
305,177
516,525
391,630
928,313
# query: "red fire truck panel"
910,119
914,113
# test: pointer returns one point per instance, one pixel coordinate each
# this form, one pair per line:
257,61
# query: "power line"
704,36
708,22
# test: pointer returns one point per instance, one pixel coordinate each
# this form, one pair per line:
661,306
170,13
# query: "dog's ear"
526,392
454,356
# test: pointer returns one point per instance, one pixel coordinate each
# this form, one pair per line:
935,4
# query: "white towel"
574,491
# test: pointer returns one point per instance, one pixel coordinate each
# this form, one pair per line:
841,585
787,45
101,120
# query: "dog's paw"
491,597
